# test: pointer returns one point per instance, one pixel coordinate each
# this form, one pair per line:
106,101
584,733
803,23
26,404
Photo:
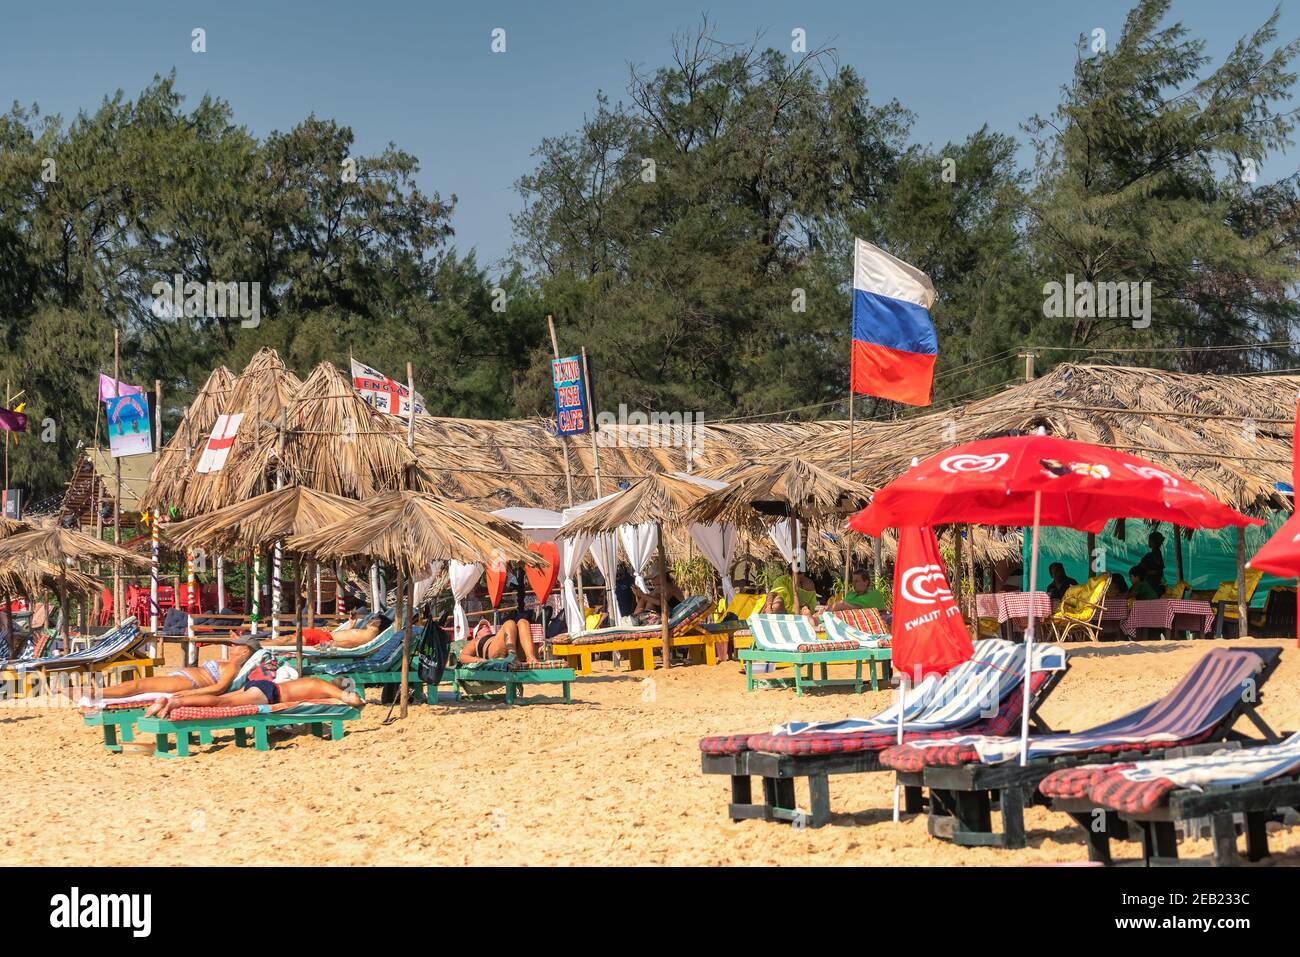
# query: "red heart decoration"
496,583
542,580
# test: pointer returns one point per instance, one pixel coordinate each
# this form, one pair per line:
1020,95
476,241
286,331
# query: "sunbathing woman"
347,635
205,676
260,687
512,638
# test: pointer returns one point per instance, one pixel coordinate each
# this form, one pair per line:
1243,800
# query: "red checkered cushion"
1132,797
1076,782
725,743
221,711
863,619
907,757
828,646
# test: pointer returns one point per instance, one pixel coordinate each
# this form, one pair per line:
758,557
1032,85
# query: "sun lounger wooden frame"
779,771
579,656
801,660
173,741
513,682
1259,802
962,798
118,723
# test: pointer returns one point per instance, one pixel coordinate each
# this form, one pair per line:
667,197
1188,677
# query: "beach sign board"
128,425
222,438
570,396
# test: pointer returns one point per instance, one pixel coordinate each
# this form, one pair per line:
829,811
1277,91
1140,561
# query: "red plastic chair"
106,607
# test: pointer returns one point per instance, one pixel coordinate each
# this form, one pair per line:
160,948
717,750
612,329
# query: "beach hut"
416,532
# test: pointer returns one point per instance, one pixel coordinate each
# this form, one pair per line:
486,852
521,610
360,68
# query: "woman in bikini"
205,676
260,687
512,638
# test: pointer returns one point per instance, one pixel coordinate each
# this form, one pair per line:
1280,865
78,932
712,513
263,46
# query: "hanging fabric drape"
572,551
604,549
463,576
639,543
784,537
718,545
424,584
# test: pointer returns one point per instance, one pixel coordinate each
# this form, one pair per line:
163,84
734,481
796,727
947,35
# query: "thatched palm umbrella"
12,526
266,518
175,464
60,547
783,487
413,530
659,498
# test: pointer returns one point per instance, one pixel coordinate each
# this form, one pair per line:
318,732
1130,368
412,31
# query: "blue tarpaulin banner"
571,416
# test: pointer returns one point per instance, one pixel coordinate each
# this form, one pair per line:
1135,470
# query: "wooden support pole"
663,597
591,426
297,610
1243,607
403,615
957,566
1178,554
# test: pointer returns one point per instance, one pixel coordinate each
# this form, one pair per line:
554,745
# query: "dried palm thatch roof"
337,443
758,492
416,529
658,497
175,462
1231,435
58,545
12,526
23,577
523,462
261,520
262,392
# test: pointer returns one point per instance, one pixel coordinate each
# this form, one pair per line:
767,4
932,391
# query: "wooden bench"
579,656
173,737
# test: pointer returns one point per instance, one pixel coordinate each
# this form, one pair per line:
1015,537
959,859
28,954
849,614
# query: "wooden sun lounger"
115,722
803,663
779,771
962,798
642,651
513,682
1258,802
173,741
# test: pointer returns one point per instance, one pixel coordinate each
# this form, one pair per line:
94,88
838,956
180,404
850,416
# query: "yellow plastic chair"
1081,609
742,606
1227,593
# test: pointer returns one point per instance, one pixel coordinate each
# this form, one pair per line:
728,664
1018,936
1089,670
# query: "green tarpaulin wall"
1210,557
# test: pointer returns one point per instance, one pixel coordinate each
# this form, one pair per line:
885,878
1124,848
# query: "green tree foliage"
693,233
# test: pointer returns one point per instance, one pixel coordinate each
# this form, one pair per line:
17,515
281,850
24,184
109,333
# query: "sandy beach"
612,779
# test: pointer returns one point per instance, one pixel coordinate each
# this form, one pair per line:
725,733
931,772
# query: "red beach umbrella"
1038,480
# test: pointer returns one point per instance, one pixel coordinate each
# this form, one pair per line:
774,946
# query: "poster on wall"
128,425
570,396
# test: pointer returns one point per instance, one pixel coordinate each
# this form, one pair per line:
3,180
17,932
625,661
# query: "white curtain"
572,551
786,535
424,584
639,543
604,549
464,576
718,543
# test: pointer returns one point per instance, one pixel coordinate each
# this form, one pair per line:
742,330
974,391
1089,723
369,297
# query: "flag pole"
117,471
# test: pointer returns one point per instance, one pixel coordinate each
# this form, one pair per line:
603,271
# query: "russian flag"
894,345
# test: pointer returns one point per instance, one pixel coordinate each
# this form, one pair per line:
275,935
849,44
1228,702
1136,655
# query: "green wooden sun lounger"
803,663
326,721
512,681
120,723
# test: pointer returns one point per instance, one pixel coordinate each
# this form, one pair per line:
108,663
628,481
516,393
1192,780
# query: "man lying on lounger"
349,634
512,638
260,687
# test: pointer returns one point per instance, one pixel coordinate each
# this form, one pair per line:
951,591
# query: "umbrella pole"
663,596
406,635
902,700
1029,630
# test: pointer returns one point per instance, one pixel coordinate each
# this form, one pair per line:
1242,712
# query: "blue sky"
423,76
